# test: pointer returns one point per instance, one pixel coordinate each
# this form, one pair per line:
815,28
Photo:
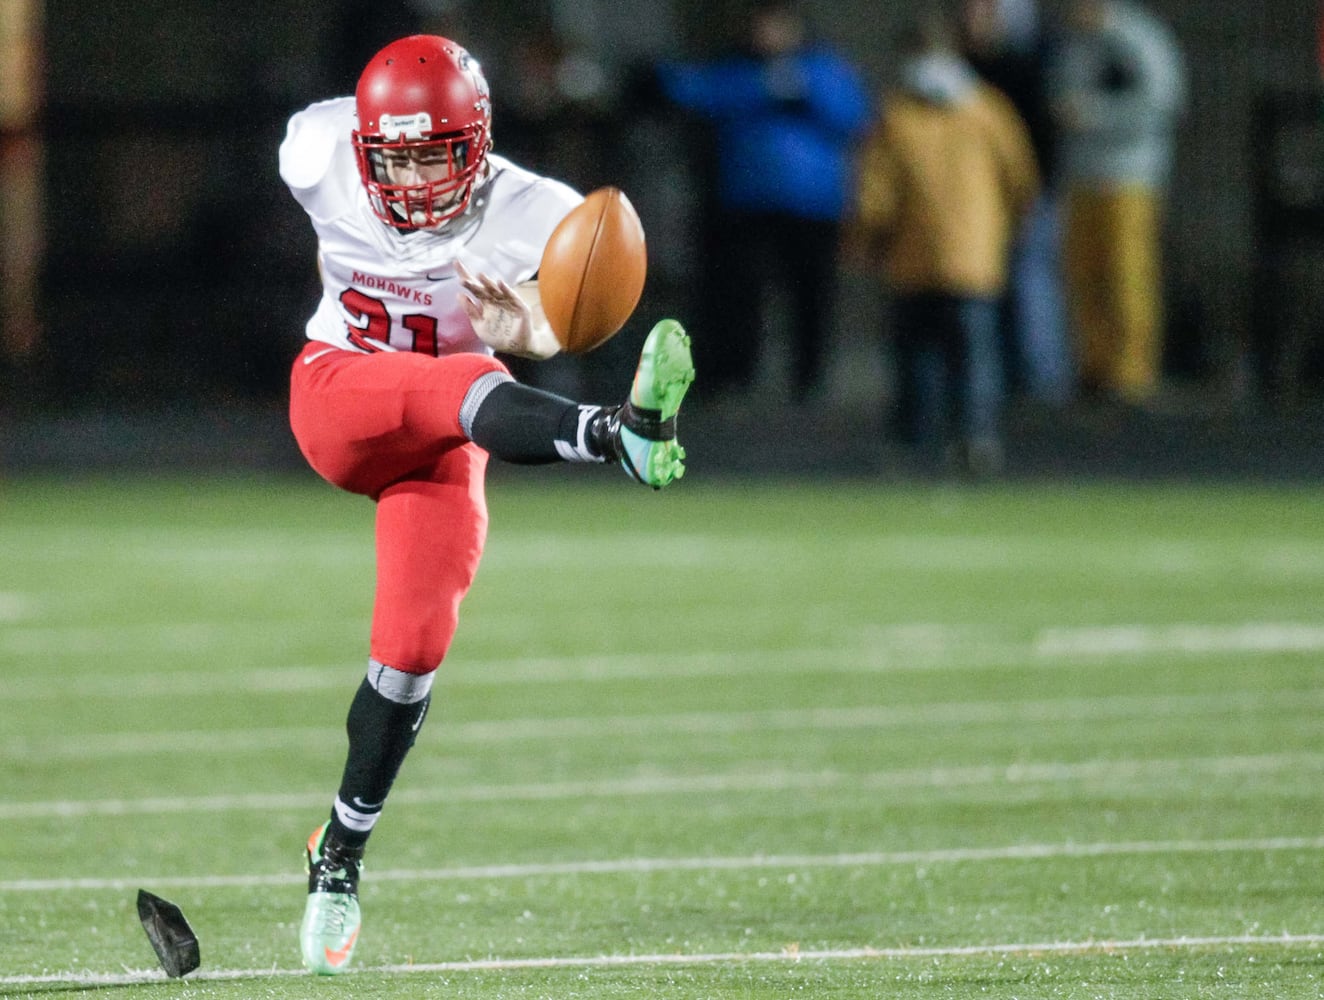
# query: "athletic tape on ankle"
580,451
478,391
648,423
398,686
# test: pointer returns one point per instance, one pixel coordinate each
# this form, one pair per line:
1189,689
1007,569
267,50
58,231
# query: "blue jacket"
785,128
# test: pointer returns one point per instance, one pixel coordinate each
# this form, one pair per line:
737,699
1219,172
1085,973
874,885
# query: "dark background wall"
178,269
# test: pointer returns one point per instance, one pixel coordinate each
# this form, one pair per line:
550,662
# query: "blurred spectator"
22,207
1008,44
1118,86
786,111
558,116
945,180
557,107
1319,40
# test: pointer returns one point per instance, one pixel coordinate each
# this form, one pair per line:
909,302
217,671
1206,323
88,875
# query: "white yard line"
101,746
1195,639
611,866
784,956
520,671
881,649
1129,773
16,606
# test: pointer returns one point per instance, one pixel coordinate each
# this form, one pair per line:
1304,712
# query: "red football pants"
387,425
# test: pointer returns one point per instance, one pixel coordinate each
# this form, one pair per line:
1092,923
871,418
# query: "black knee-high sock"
527,426
381,733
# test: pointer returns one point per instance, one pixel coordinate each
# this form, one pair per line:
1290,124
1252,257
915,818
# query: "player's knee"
468,368
415,636
418,650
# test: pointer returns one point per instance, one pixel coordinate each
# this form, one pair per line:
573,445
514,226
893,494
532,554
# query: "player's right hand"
503,318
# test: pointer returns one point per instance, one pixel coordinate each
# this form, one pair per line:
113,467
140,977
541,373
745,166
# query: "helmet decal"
415,126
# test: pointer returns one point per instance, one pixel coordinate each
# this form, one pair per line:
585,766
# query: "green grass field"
732,740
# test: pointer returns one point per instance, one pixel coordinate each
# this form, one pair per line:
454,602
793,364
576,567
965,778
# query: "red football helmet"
425,126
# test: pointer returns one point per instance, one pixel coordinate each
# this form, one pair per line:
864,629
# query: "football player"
428,248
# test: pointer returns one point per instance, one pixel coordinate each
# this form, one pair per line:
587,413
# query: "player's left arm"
507,318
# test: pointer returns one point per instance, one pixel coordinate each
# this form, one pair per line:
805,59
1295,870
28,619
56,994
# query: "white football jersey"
387,289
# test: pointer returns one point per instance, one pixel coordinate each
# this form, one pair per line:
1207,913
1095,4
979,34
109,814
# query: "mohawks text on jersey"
392,288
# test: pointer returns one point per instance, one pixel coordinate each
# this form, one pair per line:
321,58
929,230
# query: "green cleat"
641,434
331,917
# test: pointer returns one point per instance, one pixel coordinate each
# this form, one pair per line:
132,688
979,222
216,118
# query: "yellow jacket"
943,183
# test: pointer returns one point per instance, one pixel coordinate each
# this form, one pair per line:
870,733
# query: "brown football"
592,271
